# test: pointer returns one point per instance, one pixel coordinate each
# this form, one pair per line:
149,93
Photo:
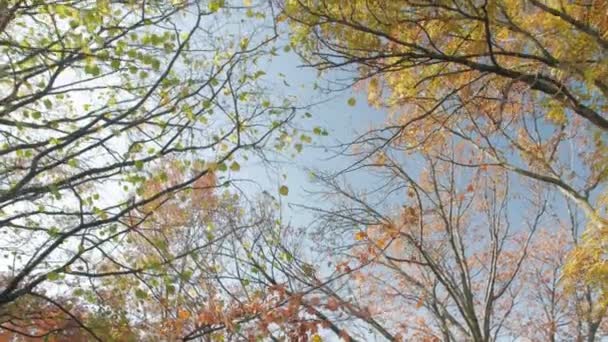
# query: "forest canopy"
136,136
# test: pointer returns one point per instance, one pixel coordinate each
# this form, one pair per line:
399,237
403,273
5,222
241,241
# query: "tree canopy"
521,84
131,133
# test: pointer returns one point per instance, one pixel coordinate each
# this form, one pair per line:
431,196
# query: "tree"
559,311
40,317
522,82
98,99
240,277
197,265
448,253
123,123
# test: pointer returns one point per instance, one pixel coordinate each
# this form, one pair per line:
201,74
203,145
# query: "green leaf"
286,256
115,64
141,294
92,70
215,5
55,191
48,104
52,276
136,147
244,43
54,232
163,177
235,166
283,190
186,275
73,163
305,138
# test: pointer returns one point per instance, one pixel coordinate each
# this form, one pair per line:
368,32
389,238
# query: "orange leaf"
183,314
360,236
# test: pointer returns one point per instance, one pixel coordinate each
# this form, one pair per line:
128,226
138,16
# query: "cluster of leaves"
521,82
493,107
118,119
122,124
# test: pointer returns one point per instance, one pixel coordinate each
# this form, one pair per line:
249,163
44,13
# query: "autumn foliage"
473,209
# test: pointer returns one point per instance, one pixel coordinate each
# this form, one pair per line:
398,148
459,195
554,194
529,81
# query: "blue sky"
342,122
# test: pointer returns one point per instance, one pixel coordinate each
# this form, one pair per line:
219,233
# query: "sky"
330,111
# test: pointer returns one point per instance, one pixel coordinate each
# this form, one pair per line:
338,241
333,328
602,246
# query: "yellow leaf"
103,6
556,115
283,190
